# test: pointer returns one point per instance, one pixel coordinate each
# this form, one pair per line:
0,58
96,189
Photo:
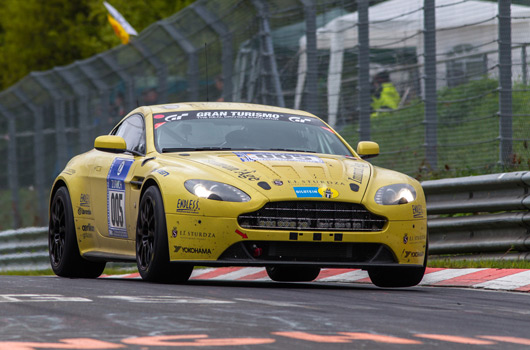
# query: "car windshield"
203,130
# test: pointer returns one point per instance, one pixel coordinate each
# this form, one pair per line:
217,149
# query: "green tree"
38,35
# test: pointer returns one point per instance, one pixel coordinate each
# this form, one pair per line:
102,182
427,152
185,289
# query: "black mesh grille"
312,216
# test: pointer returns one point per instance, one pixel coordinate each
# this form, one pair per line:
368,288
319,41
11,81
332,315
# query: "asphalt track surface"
116,313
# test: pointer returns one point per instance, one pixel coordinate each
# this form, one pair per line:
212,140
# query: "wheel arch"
58,184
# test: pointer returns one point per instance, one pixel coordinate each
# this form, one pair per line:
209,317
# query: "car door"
111,178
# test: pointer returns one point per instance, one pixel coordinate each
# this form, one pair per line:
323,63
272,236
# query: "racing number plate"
116,197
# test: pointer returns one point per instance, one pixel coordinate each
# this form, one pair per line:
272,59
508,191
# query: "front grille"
312,216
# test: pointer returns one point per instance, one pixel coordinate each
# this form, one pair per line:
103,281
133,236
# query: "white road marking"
443,275
507,282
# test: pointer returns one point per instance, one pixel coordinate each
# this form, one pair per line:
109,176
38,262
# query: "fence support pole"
363,68
12,167
268,51
312,56
505,82
431,118
523,63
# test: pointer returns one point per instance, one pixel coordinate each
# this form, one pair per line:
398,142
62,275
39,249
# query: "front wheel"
292,273
152,252
62,241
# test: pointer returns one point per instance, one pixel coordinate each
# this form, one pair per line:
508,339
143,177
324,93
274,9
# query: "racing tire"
394,277
65,259
152,252
293,273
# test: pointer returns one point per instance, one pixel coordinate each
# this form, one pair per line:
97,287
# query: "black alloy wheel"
152,252
65,259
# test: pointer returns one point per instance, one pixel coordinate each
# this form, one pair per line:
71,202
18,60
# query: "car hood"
284,175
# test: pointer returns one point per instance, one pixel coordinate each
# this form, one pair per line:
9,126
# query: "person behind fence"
384,94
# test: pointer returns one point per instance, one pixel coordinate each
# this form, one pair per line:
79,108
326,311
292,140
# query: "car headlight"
216,191
395,194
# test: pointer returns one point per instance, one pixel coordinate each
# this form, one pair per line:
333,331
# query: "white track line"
507,282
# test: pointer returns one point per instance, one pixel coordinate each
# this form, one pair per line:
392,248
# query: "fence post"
312,56
523,63
226,41
38,154
505,82
363,68
193,65
431,118
12,166
268,51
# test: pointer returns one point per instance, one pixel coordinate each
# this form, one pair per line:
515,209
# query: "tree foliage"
38,35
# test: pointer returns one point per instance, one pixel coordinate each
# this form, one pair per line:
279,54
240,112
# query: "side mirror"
110,143
367,149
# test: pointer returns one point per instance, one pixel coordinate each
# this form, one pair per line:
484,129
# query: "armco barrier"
485,217
24,249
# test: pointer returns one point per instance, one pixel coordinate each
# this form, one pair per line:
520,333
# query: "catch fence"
460,68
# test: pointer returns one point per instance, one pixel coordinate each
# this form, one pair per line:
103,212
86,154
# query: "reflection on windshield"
240,134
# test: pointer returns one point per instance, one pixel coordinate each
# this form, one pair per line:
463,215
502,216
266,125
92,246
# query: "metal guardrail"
480,217
24,249
475,217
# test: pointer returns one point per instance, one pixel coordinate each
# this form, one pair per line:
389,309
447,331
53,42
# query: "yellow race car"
232,184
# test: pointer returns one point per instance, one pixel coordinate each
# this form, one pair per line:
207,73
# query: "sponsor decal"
416,239
315,192
410,254
191,234
274,157
222,165
161,172
417,211
83,211
328,192
116,197
247,174
357,175
315,182
278,182
188,206
296,119
405,238
191,250
84,200
88,228
235,114
307,192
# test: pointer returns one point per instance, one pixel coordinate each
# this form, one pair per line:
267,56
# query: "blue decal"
116,197
307,192
285,157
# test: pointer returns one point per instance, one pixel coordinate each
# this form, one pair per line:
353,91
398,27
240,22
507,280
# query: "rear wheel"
152,252
293,273
62,241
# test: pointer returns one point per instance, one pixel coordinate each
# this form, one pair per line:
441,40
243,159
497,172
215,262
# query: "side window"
133,132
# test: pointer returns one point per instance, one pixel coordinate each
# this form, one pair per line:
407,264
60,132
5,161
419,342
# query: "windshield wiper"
192,149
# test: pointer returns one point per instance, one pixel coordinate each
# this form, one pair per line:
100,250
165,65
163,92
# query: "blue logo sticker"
307,192
116,197
269,156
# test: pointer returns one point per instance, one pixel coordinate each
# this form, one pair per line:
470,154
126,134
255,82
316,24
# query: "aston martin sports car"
231,184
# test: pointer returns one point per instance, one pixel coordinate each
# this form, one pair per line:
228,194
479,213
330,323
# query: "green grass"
496,264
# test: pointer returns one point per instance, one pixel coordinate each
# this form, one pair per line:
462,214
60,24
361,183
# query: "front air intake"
312,216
